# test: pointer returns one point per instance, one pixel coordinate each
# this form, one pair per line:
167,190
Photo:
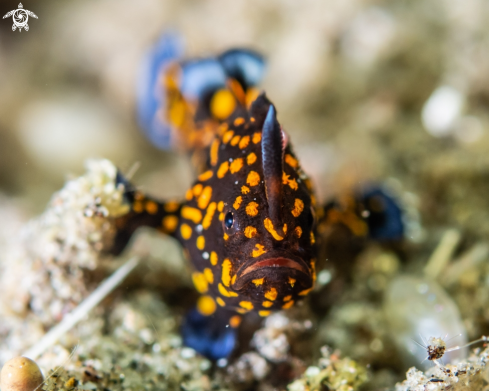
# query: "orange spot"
220,206
223,169
214,258
292,281
237,202
137,207
151,207
252,209
250,232
189,195
139,196
291,182
200,282
186,231
239,121
267,304
245,189
313,238
298,207
226,272
258,281
269,227
209,276
253,178
221,216
204,197
169,223
256,137
206,305
291,161
222,104
223,291
259,250
215,151
271,294
206,223
236,165
171,206
197,189
305,292
235,321
192,214
251,158
264,313
287,305
288,298
235,140
221,302
222,128
227,136
205,176
247,305
298,232
244,142
200,243
226,236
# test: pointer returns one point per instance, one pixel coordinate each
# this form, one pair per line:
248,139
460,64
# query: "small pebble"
20,374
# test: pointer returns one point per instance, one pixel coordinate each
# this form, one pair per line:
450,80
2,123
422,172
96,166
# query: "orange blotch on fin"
222,170
245,140
251,158
214,152
250,232
271,294
298,207
253,178
204,197
259,250
237,202
185,231
236,165
252,209
256,137
192,214
269,227
205,176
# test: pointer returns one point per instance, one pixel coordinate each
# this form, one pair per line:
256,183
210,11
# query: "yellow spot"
220,206
298,207
287,305
293,184
251,158
189,195
137,207
259,250
227,136
237,202
205,176
233,280
186,231
151,207
252,209
269,227
225,236
171,206
221,216
267,304
235,140
209,276
192,214
222,104
214,258
239,121
247,305
206,305
285,228
292,281
298,232
291,161
244,142
256,137
221,302
253,178
252,119
313,238
305,292
235,321
197,189
206,223
288,298
170,223
226,272
200,282
264,313
245,189
223,291
204,197
241,311
200,242
258,281
271,294
215,151
223,169
250,231
236,165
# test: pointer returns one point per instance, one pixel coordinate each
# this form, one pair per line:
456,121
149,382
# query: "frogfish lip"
283,262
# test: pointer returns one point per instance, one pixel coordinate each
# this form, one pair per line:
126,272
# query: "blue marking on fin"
245,65
208,335
150,95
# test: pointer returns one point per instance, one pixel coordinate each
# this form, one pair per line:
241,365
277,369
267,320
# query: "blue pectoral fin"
150,92
211,336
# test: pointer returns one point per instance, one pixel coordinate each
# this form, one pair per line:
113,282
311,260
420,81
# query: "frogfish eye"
229,220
